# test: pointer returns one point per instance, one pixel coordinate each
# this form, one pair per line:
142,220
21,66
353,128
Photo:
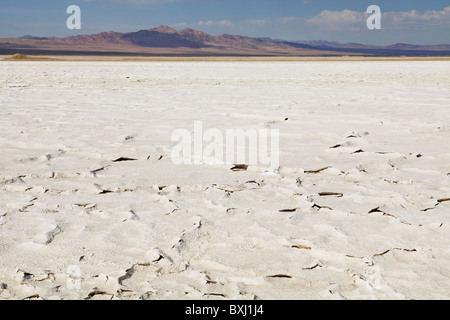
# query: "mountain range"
164,40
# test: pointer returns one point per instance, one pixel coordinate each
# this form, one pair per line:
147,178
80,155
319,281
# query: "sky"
402,21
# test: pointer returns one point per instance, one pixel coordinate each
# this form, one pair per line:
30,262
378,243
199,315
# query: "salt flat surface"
374,224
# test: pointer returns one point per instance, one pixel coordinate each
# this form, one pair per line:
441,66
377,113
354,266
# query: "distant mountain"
33,37
398,48
164,40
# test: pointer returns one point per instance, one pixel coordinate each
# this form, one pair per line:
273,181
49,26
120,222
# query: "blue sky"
406,21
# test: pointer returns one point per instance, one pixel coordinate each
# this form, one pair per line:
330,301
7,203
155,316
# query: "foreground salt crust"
358,209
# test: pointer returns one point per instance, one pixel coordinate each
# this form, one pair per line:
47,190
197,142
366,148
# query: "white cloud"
201,23
427,18
333,18
352,19
256,22
222,23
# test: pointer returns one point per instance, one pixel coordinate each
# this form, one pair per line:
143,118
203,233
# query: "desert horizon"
166,41
206,58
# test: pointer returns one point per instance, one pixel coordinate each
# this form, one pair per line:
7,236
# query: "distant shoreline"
212,58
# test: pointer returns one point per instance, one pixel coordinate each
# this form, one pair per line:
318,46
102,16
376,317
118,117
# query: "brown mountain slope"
164,40
157,41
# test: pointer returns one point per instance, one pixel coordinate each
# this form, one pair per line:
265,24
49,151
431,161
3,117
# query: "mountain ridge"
166,40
